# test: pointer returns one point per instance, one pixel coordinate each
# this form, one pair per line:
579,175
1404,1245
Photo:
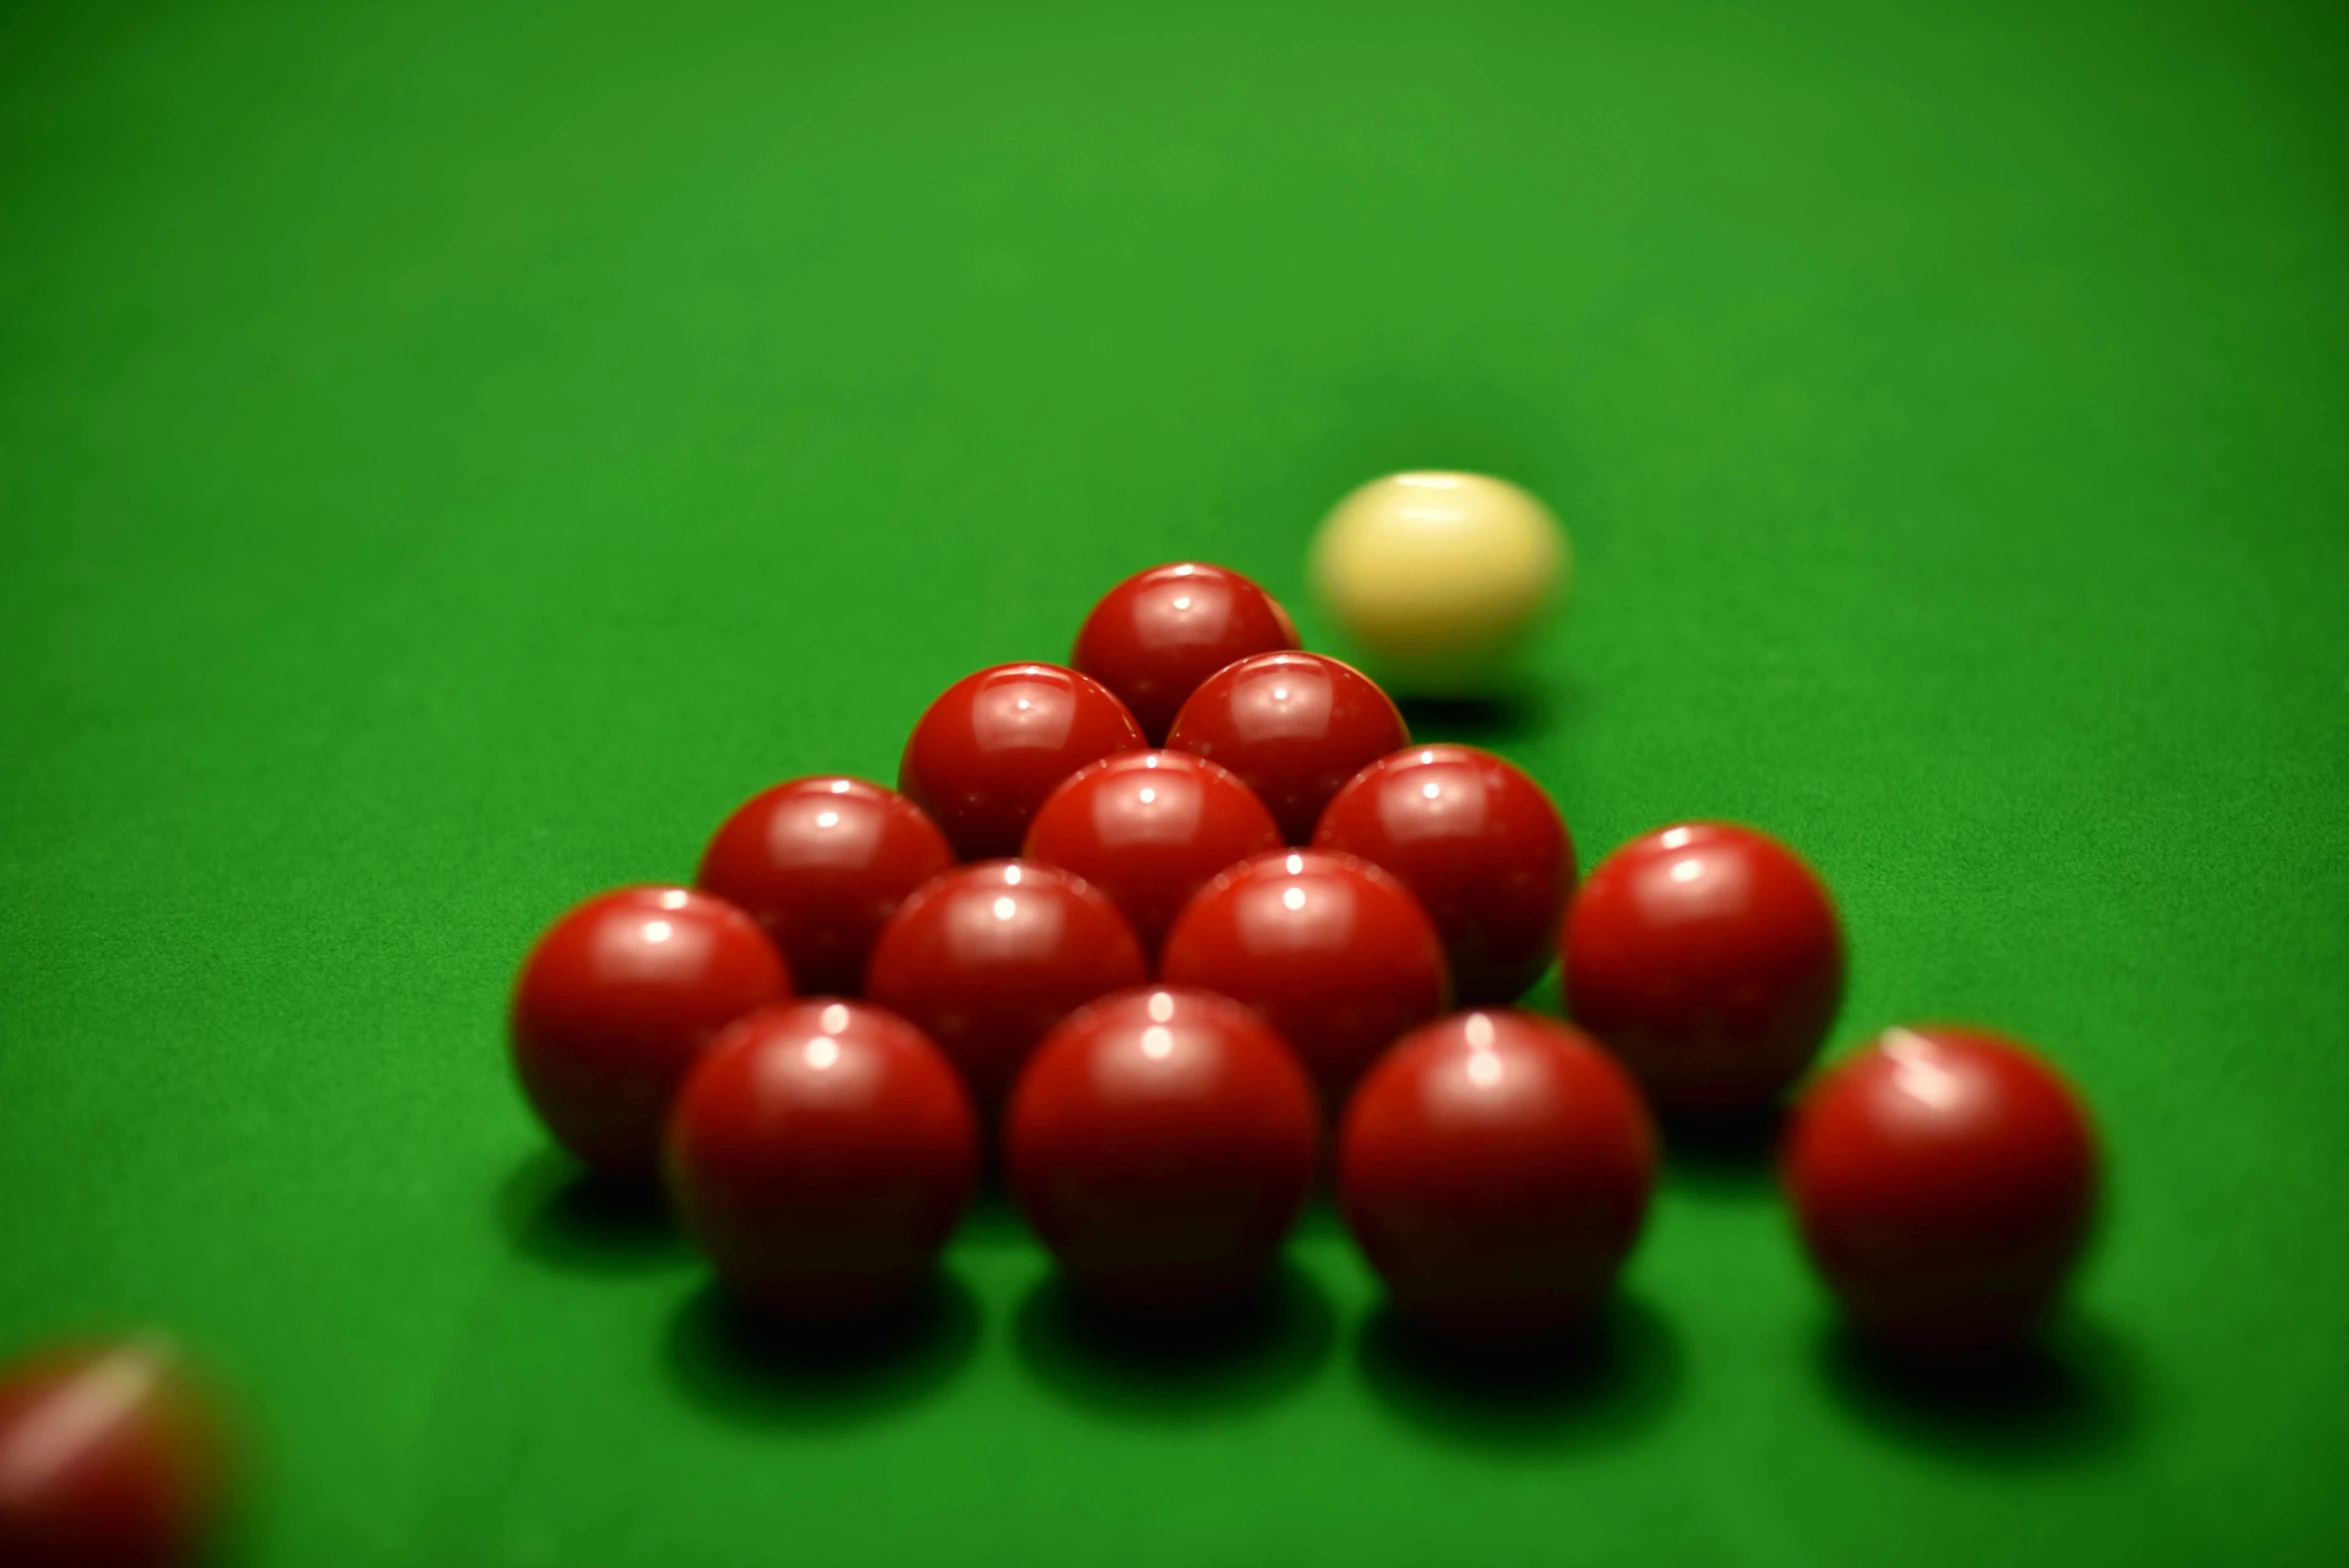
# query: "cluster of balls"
1156,924
1154,927
1159,923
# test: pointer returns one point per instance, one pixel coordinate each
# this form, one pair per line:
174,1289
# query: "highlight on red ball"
615,1003
821,864
987,958
1149,829
1944,1180
1495,1168
1335,954
820,1155
1161,1142
1154,638
1294,726
1708,956
987,752
1481,846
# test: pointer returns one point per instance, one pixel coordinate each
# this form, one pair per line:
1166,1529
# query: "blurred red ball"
1945,1180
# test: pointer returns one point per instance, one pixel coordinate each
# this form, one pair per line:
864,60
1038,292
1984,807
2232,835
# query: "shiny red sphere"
820,864
987,958
1945,1182
1149,829
1154,637
1495,1168
1294,727
108,1455
615,1002
1482,848
994,744
1708,958
1335,954
1162,1142
820,1155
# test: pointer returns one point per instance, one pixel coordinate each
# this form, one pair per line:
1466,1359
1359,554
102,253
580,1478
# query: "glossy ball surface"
1294,727
987,958
1156,636
1945,1182
1709,959
108,1455
1482,848
1161,1143
1439,576
615,1002
821,863
1495,1168
1335,954
986,753
1149,829
820,1156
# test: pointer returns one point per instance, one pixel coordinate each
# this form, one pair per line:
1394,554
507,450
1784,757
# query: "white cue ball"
1439,576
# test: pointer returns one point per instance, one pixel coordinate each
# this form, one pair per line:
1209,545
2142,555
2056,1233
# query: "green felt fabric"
450,453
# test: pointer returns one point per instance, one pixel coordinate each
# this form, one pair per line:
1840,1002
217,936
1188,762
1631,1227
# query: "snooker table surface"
450,454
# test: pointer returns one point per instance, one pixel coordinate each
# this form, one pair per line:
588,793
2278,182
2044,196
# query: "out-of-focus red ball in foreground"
1156,636
1495,1168
615,1002
994,744
821,1154
1149,829
1335,953
1708,957
109,1456
1945,1181
987,958
1479,844
1161,1142
1294,727
820,863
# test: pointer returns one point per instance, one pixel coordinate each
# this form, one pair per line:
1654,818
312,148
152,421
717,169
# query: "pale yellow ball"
1438,577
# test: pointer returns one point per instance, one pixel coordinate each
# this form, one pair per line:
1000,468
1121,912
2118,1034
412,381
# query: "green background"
451,453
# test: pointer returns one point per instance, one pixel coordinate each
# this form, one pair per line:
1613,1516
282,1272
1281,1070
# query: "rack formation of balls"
1151,927
1148,924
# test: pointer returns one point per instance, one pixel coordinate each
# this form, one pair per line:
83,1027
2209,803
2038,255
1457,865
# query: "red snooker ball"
615,1002
108,1456
1294,726
1154,637
1707,957
987,958
821,863
1149,829
821,1154
994,744
1495,1168
1944,1181
1480,846
1161,1142
1335,954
